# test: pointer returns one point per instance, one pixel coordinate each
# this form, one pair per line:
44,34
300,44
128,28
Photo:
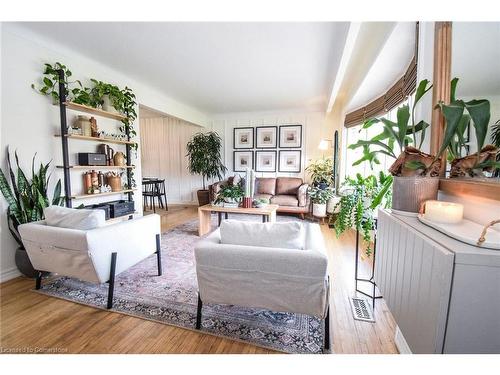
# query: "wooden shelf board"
98,167
88,196
485,188
96,139
94,111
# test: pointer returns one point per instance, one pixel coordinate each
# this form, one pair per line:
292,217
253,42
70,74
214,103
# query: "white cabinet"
443,294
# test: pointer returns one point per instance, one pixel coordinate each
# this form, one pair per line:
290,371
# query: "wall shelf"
96,139
86,167
87,196
486,188
94,111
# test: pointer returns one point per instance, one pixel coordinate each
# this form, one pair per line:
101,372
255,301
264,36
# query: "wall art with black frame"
290,136
243,138
242,160
290,161
265,161
266,136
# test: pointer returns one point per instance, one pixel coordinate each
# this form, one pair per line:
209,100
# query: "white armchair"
283,277
95,255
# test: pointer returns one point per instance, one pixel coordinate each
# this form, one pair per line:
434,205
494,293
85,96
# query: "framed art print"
267,136
265,161
290,161
242,160
243,138
290,136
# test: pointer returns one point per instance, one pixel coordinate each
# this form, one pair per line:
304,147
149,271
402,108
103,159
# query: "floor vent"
361,309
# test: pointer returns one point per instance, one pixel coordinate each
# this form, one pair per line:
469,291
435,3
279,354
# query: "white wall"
29,121
312,132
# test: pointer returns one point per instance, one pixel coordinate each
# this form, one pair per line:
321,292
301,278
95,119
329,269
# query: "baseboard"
9,274
401,343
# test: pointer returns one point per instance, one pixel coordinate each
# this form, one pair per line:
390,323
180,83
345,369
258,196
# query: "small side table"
373,296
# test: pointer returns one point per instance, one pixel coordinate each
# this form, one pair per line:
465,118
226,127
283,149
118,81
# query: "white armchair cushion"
289,235
82,219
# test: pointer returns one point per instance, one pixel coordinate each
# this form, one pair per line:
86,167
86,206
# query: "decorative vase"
408,193
319,209
119,159
107,105
23,263
115,182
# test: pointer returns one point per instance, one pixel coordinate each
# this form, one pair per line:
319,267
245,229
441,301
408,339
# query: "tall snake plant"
26,199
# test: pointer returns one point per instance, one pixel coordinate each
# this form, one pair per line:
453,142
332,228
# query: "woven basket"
408,193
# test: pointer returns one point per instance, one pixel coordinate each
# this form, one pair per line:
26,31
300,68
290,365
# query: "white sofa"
280,278
95,255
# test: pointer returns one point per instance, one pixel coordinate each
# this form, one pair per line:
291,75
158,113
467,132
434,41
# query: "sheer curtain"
163,152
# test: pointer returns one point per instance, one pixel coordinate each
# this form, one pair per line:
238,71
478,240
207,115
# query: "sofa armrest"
302,195
132,240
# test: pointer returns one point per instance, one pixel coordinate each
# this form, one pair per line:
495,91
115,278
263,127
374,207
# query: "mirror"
475,60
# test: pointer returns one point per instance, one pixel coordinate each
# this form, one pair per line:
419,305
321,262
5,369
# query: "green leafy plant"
75,91
397,136
360,197
26,199
204,154
495,133
321,171
458,115
230,193
320,196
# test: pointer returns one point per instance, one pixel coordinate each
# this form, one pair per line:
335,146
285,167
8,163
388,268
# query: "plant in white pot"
319,198
205,159
230,195
416,174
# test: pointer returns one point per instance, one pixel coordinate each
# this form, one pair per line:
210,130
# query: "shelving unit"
67,167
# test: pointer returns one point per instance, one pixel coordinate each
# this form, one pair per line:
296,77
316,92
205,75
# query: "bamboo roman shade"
397,94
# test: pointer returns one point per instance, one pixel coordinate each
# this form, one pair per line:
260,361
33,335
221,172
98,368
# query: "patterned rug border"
201,331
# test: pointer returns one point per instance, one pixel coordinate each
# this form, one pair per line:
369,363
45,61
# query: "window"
354,134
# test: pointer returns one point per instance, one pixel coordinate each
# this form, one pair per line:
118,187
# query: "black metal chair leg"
111,287
219,215
327,329
38,281
158,254
198,312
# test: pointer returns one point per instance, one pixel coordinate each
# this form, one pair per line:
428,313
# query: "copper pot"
115,182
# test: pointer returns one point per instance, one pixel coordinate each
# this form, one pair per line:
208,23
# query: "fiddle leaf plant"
26,198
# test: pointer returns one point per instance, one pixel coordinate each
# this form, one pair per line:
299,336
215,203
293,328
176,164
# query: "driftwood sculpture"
466,166
412,154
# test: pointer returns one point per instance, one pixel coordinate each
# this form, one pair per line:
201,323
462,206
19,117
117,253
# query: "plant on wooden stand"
319,198
321,172
205,159
26,200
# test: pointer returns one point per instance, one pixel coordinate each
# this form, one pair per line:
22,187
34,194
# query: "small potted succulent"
319,198
260,202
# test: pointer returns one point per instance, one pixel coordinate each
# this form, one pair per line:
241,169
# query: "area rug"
172,297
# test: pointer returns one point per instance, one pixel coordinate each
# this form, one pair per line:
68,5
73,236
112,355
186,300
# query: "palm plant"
396,137
26,199
458,114
204,153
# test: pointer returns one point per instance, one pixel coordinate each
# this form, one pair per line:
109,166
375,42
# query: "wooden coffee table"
268,214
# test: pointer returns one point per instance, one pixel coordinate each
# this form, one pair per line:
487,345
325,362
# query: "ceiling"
217,67
390,64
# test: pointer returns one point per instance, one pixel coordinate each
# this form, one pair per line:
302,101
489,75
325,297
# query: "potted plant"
458,116
230,195
204,154
416,174
319,198
359,198
321,172
26,200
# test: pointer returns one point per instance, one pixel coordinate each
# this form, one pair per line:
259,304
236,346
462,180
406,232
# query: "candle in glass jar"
443,212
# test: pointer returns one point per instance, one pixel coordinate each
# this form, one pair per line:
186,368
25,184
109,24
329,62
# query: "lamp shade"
323,144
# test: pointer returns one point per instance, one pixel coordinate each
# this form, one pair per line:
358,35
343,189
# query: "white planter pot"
319,210
107,105
330,206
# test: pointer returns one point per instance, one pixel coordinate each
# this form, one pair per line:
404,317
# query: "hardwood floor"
30,321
